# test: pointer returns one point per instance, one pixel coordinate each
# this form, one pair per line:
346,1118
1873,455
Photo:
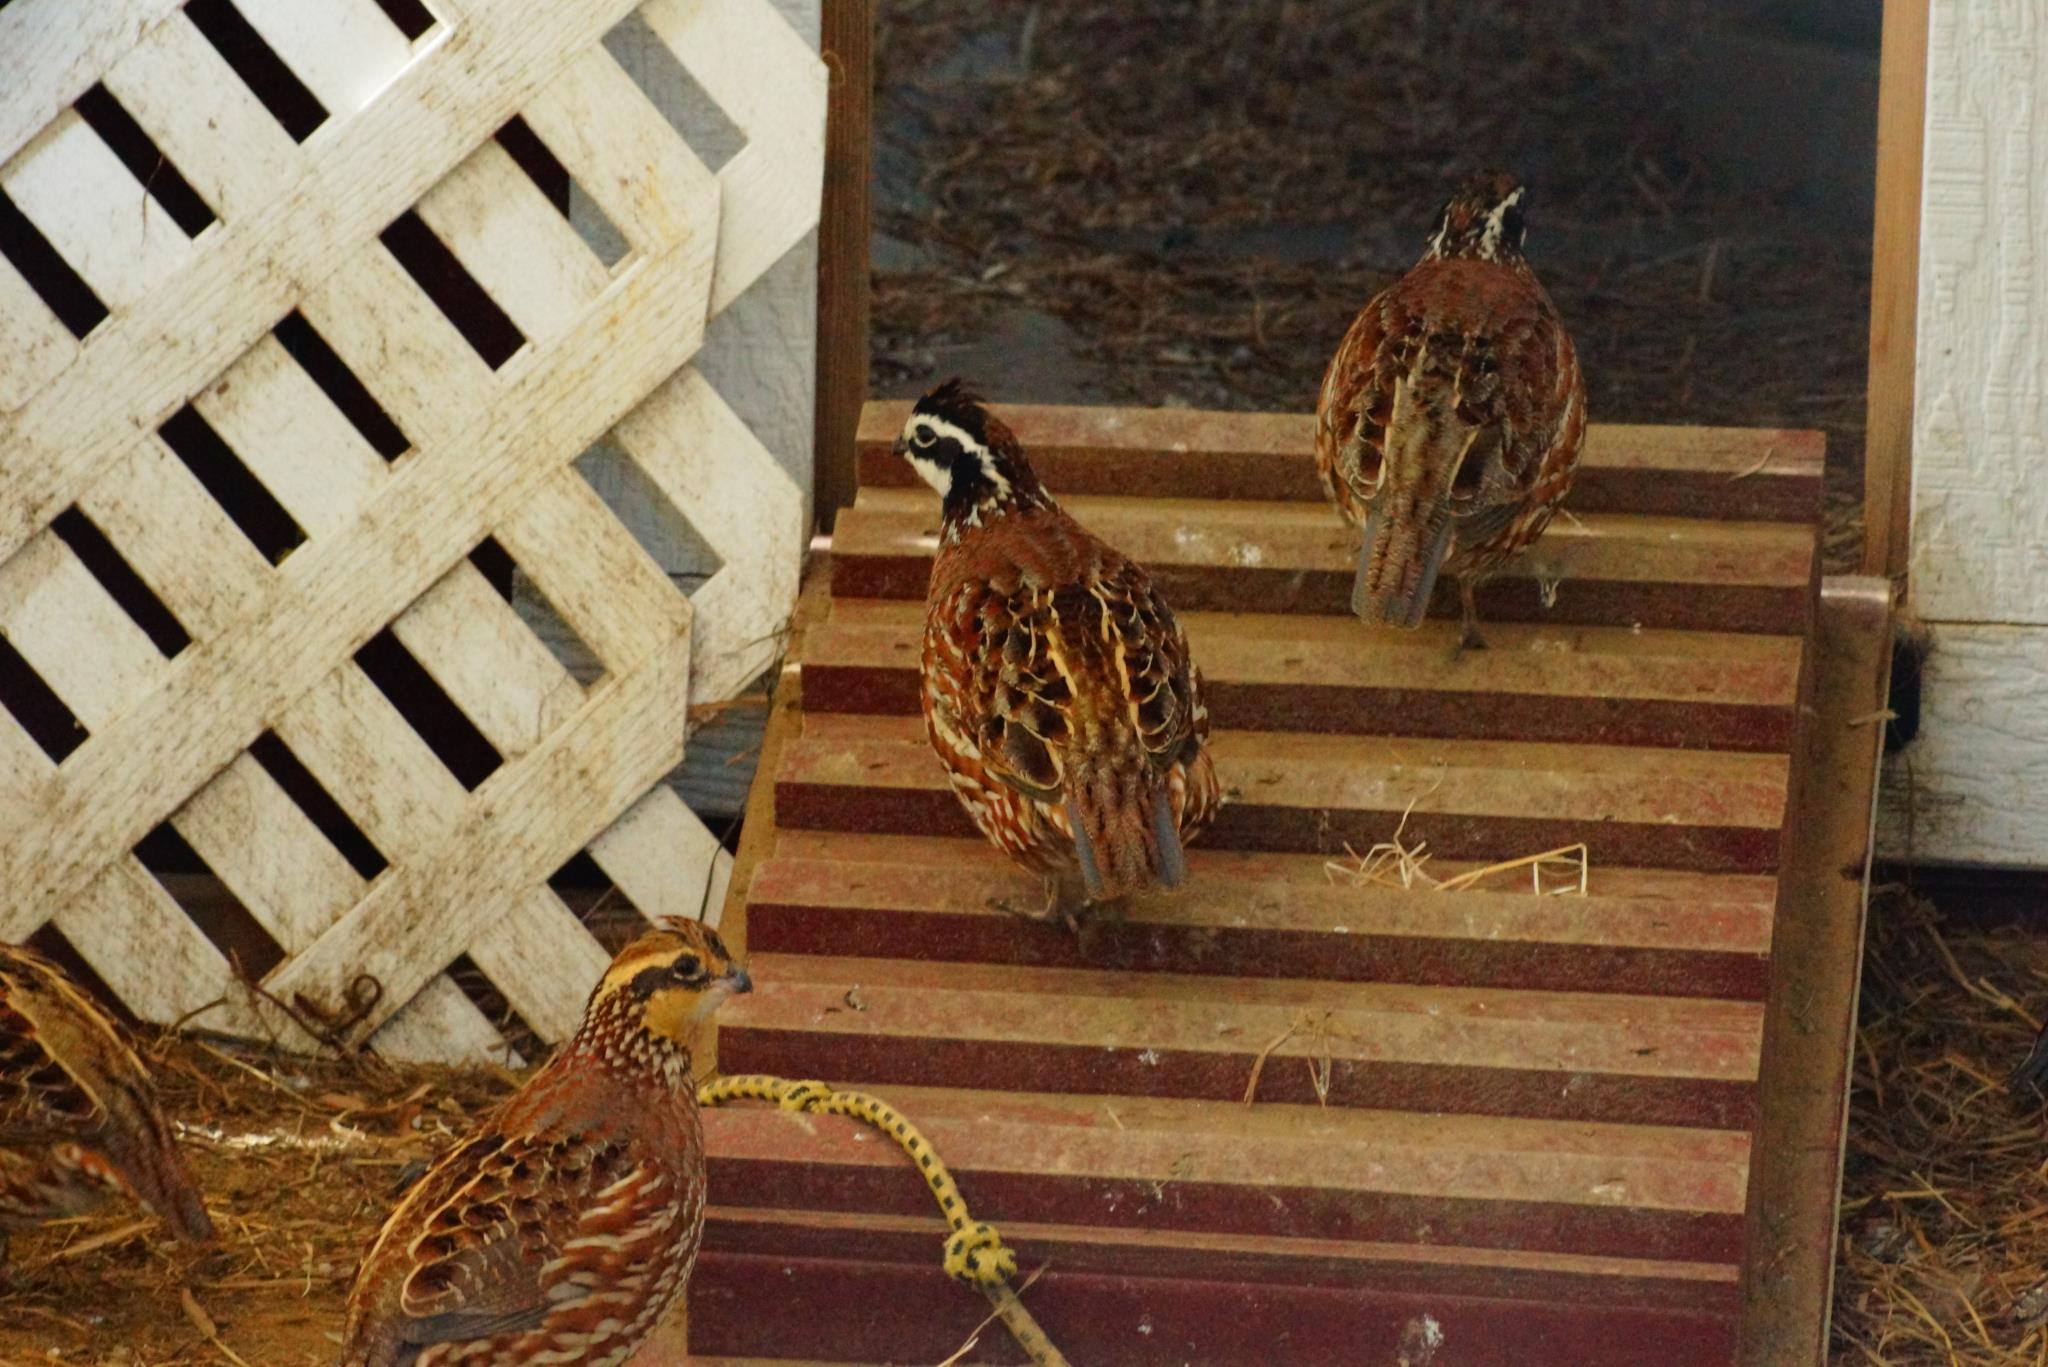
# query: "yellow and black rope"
975,1253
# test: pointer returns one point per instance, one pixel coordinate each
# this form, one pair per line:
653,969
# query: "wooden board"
236,579
1522,1123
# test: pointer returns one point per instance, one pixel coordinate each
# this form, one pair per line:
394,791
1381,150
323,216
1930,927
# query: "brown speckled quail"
79,1120
564,1228
1451,417
1057,686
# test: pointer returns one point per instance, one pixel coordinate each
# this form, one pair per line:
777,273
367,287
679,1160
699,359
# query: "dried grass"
1397,863
1944,1232
299,1159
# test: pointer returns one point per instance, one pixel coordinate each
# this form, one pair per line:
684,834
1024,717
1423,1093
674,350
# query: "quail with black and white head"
1057,686
1451,418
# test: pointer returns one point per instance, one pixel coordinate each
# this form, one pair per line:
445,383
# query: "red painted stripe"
1251,952
1035,1066
1365,711
1769,609
1263,477
1223,1208
1245,825
818,1309
1441,1269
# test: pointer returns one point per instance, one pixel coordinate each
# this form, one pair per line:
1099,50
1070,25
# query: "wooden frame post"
1895,290
848,31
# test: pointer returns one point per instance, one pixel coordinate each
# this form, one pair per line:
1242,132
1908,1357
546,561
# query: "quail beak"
901,448
728,984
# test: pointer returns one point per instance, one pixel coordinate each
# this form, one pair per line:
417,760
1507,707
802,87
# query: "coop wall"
1968,789
346,355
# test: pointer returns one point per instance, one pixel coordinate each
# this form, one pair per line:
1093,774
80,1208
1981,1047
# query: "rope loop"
978,1256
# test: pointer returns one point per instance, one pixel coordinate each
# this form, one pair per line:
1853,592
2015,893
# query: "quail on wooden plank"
1451,417
1057,686
564,1227
79,1120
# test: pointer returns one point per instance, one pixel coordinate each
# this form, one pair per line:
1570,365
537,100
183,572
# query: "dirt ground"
1183,204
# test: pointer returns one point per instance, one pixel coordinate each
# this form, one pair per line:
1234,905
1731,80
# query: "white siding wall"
1974,786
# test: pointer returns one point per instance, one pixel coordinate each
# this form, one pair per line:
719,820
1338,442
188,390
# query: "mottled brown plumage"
1057,686
1451,417
79,1120
564,1228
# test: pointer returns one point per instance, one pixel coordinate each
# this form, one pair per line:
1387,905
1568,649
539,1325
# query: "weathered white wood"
51,51
269,854
204,119
719,476
484,658
447,100
539,955
292,437
441,1025
427,377
346,51
1980,512
147,949
665,860
596,576
34,346
622,153
376,766
155,512
519,826
76,191
90,653
1967,790
492,454
772,86
294,883
516,244
332,594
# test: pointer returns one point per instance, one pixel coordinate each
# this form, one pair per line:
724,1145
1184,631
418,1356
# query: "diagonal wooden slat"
51,52
491,453
370,168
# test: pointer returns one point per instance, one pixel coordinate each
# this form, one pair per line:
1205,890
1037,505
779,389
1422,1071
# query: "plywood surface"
1480,1107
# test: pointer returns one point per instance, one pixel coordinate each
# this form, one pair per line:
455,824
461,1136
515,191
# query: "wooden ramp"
1517,1126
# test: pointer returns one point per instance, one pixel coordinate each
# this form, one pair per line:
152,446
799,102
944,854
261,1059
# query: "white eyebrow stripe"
943,428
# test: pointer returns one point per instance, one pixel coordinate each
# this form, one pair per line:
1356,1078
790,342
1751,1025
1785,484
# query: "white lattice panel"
191,331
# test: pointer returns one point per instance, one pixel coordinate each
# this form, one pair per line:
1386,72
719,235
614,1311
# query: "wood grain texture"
1895,289
488,452
842,368
1978,432
1698,472
1091,1090
51,52
1810,1031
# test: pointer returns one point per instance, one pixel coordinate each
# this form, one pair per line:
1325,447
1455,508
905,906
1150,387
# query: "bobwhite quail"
1451,417
79,1120
564,1228
1057,686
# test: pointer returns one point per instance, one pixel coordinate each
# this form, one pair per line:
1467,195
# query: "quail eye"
922,436
688,971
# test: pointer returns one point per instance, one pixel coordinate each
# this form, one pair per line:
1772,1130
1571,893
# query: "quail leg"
1063,905
1468,636
1051,910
